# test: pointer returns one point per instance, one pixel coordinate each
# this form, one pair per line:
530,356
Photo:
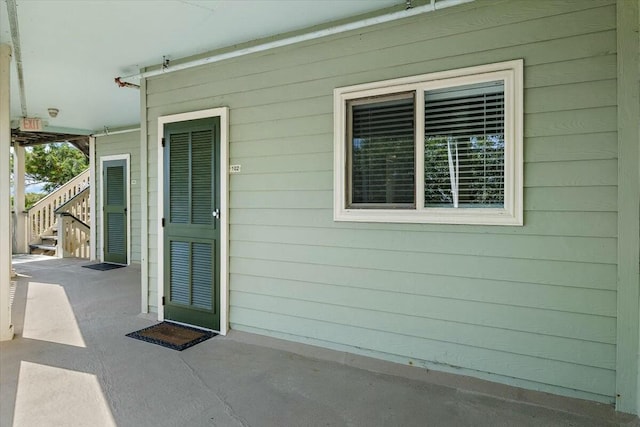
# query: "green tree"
30,199
53,164
480,168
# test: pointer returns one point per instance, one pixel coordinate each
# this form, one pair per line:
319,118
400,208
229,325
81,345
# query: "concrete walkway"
71,365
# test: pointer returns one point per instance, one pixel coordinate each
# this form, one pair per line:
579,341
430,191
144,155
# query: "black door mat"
172,335
103,266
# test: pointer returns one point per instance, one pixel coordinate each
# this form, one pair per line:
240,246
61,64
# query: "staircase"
48,245
59,223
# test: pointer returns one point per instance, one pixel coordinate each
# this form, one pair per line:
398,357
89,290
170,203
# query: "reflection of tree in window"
464,146
382,152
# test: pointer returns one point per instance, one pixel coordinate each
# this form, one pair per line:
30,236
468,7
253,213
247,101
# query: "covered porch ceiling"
71,51
28,139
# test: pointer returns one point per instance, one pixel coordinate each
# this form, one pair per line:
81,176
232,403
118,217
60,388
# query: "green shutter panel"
201,185
179,255
116,224
179,178
202,269
191,232
191,274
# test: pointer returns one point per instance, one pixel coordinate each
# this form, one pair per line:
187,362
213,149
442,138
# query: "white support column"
144,200
6,328
18,201
61,237
628,295
93,199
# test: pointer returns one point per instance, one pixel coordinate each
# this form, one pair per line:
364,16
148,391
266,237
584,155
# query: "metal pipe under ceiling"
12,12
431,7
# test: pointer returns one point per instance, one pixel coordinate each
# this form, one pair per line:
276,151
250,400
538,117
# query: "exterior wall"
533,306
121,143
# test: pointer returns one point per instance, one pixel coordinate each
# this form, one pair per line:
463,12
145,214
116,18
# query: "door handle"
216,214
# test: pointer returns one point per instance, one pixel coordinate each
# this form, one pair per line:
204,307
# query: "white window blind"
464,146
383,152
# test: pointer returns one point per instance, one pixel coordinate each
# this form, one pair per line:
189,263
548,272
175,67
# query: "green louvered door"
115,211
191,222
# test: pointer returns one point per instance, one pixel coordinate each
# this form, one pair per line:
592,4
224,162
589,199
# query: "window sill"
431,216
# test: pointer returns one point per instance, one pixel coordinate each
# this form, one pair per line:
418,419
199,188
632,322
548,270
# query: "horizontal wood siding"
533,306
110,145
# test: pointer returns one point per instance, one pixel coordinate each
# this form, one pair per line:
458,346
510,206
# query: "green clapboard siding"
532,306
110,145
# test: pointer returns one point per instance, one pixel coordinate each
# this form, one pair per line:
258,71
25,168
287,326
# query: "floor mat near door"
172,335
103,266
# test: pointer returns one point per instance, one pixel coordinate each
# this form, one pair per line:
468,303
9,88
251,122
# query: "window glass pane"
464,146
383,152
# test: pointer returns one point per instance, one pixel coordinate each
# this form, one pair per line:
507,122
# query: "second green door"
115,211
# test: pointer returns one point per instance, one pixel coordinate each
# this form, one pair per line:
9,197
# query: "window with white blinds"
383,152
464,146
442,148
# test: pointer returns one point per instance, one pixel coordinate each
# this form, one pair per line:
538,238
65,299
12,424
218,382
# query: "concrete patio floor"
70,364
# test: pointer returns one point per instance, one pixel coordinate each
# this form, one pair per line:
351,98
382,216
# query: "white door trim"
94,203
127,159
223,113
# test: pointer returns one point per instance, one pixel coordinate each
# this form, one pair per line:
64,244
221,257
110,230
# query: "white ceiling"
73,49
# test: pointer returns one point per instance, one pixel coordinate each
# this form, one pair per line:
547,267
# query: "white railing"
73,237
73,226
78,206
42,216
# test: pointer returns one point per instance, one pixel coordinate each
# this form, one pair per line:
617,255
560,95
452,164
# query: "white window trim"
511,72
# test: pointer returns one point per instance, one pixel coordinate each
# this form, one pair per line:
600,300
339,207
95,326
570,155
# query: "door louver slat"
202,268
201,186
179,254
114,190
179,178
116,240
